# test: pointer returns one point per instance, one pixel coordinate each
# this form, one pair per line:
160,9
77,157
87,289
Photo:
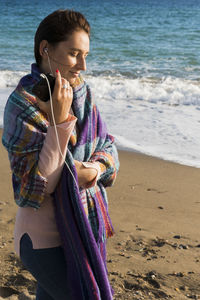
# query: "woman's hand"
62,101
85,175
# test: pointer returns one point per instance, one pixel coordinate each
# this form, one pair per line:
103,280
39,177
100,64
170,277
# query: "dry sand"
155,253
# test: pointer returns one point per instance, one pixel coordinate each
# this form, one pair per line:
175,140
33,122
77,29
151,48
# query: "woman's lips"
75,74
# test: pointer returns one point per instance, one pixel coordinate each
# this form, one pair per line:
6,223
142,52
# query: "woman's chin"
72,81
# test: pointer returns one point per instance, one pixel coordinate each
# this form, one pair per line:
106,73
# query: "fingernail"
57,70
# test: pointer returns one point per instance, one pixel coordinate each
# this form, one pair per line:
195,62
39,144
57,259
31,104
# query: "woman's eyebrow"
79,50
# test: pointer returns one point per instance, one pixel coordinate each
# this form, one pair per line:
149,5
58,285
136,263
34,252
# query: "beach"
144,78
154,254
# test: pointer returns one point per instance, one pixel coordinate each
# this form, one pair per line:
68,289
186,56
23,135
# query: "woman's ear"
43,48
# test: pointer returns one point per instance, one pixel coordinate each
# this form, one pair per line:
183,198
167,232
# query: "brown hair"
56,28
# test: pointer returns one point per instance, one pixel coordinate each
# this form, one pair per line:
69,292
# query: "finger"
65,84
58,82
39,102
44,106
66,88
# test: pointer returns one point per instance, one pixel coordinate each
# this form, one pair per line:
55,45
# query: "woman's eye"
74,54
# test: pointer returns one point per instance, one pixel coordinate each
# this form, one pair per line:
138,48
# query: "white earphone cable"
49,62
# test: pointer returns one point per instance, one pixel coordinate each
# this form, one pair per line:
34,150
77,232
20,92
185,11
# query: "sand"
155,253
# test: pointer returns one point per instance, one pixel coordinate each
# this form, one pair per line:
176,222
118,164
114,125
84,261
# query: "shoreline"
154,207
124,149
152,128
129,150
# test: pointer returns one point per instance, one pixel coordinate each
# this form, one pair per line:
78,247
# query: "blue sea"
143,68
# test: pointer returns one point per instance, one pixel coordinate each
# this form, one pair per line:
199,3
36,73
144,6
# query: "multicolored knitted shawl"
83,236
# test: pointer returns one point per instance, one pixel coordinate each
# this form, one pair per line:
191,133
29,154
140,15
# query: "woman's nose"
82,64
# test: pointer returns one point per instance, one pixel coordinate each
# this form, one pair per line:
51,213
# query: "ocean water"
143,68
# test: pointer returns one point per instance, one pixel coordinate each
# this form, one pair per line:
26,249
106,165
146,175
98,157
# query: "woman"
62,221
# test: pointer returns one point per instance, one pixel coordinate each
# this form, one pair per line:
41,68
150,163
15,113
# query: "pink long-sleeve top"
40,224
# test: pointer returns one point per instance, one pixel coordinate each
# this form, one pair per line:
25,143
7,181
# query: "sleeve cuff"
94,165
71,120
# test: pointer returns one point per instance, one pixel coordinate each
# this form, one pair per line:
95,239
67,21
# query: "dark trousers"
49,268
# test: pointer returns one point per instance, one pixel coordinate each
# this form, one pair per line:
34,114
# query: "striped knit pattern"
83,236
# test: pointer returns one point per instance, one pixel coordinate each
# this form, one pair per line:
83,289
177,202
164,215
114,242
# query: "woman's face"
69,57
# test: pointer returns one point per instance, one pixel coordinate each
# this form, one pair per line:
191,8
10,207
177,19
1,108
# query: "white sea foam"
171,91
156,117
10,78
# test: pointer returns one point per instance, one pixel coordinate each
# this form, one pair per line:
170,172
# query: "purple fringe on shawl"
87,273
